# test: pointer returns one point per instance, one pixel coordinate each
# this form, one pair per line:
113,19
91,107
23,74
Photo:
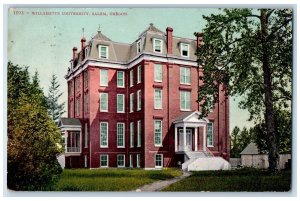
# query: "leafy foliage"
239,140
55,109
33,138
248,53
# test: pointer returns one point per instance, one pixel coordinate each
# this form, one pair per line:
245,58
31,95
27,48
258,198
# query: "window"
131,78
86,100
120,79
210,134
103,52
157,99
120,135
138,46
103,134
103,77
184,49
185,100
78,106
103,102
138,160
86,79
185,75
157,45
86,137
158,73
120,103
103,160
85,160
139,129
86,52
158,161
130,161
131,134
139,74
131,102
121,160
77,83
138,100
158,132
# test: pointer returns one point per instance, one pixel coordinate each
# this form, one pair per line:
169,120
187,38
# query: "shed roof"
251,149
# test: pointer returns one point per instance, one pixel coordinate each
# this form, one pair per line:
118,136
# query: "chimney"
83,40
169,31
199,39
74,53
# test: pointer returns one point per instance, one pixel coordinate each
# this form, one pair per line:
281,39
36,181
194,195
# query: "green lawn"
110,179
244,180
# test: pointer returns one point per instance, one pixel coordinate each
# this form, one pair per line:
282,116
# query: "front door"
188,145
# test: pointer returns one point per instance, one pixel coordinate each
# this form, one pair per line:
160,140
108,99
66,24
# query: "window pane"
103,160
157,45
103,101
188,75
158,72
139,100
120,79
158,160
103,78
158,132
139,74
120,103
103,52
139,134
182,100
120,134
182,75
158,99
188,100
131,134
121,160
103,134
131,102
131,78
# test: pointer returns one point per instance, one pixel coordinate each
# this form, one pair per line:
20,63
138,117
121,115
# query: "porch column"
184,138
204,138
196,139
176,139
80,141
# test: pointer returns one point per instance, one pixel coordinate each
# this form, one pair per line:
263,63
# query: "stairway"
197,161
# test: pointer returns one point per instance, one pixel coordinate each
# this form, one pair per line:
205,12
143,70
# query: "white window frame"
123,103
103,82
139,130
106,102
184,70
156,71
131,102
123,83
104,146
130,161
139,46
162,161
131,78
106,52
131,132
123,135
86,136
107,159
138,160
212,135
123,160
185,100
139,99
161,42
160,134
139,74
188,49
156,106
85,160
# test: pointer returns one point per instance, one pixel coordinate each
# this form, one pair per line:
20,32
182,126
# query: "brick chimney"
83,40
199,39
74,53
169,31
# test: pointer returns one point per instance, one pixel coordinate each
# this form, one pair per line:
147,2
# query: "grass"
244,180
110,179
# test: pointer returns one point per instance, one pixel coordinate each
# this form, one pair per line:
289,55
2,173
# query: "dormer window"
103,52
157,45
184,49
138,46
71,63
86,52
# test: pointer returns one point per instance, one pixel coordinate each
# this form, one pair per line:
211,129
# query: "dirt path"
159,185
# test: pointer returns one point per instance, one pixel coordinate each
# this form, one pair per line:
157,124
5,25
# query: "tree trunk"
269,115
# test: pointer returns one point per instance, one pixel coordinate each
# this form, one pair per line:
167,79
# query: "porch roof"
69,123
190,118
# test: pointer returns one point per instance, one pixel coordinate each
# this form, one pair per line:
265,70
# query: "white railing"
73,149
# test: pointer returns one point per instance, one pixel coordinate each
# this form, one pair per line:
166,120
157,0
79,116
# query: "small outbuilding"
251,157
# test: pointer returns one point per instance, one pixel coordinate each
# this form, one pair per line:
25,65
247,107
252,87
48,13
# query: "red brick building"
134,105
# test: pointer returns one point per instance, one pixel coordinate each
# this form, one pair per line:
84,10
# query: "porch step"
198,154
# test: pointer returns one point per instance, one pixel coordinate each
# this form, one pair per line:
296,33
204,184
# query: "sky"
45,42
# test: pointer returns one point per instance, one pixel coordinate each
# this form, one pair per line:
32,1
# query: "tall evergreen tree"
248,52
33,138
55,109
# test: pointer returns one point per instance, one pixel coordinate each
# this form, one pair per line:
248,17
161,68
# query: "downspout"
219,118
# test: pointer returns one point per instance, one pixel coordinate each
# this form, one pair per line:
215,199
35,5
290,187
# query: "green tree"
239,140
248,52
33,138
55,109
